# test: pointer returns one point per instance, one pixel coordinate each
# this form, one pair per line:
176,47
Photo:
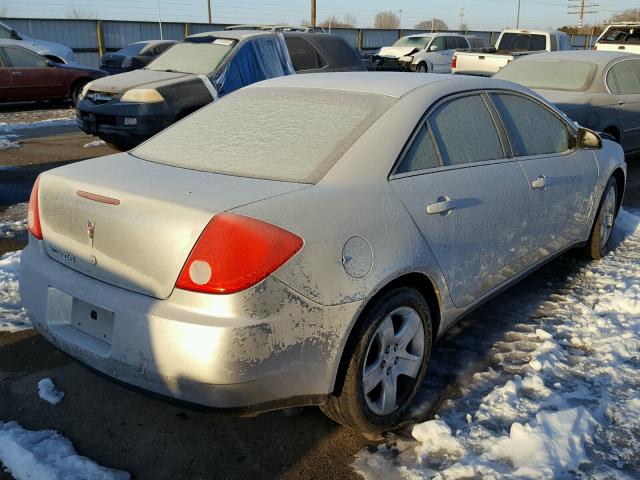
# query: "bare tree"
434,23
387,19
333,22
628,15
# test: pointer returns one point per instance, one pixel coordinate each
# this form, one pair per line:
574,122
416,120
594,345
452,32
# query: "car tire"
386,363
596,246
422,68
77,90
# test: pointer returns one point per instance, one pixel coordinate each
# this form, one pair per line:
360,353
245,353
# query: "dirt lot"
152,439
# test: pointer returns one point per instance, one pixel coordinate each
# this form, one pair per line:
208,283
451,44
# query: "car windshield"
418,42
569,75
197,55
287,134
622,35
133,49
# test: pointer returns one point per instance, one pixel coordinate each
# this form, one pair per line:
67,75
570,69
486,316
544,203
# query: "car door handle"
17,74
540,182
441,206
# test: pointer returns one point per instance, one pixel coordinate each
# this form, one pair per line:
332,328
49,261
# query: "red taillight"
454,61
33,215
235,252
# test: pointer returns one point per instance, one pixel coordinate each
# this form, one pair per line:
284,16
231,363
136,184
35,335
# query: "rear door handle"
441,206
540,182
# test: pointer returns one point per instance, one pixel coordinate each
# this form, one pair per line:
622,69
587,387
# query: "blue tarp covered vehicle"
128,108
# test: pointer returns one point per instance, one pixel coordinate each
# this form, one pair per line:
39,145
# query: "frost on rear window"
567,75
287,134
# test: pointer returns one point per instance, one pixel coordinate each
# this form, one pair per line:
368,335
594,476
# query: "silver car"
306,239
600,90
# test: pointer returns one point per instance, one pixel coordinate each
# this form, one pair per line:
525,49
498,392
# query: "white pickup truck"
622,37
510,45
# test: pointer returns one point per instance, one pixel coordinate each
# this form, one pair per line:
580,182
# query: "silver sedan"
305,240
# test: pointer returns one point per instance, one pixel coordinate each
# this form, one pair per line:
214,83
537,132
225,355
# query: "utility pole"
159,19
518,19
581,8
209,8
313,13
400,19
461,14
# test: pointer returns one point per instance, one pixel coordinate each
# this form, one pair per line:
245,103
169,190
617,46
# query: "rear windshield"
569,75
287,134
200,56
133,49
418,42
522,42
621,35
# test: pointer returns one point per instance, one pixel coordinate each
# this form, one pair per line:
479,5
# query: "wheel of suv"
386,365
596,247
77,90
422,68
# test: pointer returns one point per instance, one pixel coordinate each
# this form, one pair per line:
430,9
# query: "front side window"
532,129
438,43
421,155
5,32
21,58
624,78
465,131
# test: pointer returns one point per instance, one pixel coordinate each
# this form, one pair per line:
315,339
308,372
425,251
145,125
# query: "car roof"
233,34
599,57
392,84
436,34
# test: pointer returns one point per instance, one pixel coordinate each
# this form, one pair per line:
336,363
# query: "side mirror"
434,48
588,139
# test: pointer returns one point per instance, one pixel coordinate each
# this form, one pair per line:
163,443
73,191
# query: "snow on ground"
571,409
95,143
49,122
12,316
48,391
47,455
8,141
13,220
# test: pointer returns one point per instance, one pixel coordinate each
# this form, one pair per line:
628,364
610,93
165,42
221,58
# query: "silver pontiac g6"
305,240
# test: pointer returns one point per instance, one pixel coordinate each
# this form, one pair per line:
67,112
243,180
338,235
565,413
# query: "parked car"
53,51
623,37
434,52
128,108
304,240
433,59
26,76
599,90
511,45
197,71
134,56
320,52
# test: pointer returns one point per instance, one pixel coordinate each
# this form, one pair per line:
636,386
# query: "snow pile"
48,391
13,221
8,141
50,122
46,454
566,401
12,316
95,143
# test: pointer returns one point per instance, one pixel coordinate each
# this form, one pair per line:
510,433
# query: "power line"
581,9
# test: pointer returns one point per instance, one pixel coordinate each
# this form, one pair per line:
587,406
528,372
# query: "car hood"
138,78
396,52
44,47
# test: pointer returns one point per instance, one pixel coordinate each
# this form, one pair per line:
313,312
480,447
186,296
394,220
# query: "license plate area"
92,320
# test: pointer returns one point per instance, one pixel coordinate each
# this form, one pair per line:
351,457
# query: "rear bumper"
107,120
264,348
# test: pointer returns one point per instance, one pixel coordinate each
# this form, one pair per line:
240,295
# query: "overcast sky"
478,14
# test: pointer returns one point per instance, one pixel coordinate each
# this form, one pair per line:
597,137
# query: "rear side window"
532,129
465,131
421,155
451,43
303,55
554,43
624,78
622,35
461,42
340,50
21,58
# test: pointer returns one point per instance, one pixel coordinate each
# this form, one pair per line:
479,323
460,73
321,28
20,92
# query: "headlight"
85,90
142,95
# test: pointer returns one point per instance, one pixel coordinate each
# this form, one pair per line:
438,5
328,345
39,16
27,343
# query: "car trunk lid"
132,223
